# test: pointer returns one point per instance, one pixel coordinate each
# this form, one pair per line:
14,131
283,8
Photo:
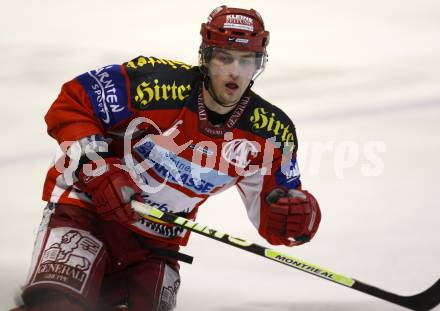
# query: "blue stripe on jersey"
288,174
177,170
107,91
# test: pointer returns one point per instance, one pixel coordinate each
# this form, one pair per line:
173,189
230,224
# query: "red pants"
98,264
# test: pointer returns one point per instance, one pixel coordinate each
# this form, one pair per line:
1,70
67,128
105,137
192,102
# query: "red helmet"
232,28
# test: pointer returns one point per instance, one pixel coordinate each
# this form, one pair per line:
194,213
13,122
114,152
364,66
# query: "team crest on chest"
239,152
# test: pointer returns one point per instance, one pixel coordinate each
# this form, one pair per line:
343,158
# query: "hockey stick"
425,300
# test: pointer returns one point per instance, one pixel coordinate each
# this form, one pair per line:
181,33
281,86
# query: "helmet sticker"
239,22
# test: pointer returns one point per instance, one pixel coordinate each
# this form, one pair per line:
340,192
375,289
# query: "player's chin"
234,97
231,100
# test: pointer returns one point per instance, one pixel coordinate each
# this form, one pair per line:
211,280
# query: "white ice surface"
344,70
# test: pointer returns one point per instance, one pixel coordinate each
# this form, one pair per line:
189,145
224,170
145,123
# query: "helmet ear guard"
205,55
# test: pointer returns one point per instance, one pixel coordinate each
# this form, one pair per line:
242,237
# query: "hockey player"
169,134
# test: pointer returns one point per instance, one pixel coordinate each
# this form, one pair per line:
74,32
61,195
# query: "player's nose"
234,69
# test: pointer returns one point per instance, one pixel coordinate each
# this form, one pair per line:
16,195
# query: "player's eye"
246,61
225,59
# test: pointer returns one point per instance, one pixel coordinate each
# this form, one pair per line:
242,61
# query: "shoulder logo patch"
106,89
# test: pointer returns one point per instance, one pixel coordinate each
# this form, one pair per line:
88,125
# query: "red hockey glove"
111,190
293,217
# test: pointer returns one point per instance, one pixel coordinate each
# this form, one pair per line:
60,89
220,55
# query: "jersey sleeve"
89,105
71,116
281,172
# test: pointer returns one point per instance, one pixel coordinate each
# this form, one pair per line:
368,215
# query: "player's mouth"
231,87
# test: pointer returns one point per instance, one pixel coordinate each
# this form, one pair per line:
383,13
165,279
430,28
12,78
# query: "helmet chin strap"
208,87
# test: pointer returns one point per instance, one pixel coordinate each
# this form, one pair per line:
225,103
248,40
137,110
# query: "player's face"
230,73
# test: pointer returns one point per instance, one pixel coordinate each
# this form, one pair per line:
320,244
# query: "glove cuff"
87,158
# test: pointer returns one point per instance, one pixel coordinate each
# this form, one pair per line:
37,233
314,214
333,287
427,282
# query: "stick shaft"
423,301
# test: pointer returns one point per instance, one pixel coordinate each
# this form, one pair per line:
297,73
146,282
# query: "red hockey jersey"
150,113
